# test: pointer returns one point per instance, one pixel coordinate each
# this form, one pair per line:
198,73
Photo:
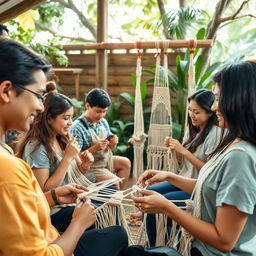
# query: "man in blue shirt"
93,133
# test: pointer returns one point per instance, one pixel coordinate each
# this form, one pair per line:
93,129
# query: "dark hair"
98,98
40,131
17,63
204,98
3,28
237,84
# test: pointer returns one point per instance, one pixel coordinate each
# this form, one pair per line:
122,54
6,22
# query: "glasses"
39,96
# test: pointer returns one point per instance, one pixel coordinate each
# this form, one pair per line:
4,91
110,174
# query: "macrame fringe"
160,119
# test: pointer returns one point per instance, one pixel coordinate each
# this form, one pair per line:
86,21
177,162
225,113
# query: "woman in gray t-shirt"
224,208
201,139
49,150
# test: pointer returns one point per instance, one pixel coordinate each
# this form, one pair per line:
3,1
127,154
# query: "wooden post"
101,54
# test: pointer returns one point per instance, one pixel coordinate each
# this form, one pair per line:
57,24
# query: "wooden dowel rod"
143,45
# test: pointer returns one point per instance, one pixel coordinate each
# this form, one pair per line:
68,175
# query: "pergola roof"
10,9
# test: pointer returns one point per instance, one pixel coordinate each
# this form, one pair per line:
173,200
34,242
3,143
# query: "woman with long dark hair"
49,149
224,209
200,140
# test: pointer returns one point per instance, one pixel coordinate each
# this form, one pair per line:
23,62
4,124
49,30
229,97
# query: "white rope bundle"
112,211
139,137
191,75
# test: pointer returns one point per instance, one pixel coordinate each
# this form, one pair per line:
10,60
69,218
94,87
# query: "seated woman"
25,222
201,139
224,208
49,150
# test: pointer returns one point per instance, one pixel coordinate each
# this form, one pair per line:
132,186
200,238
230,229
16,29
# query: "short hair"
18,62
3,28
98,98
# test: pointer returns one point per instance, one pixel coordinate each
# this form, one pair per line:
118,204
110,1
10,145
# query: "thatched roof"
10,9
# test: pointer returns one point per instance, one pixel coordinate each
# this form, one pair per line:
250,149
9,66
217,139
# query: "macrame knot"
157,54
189,205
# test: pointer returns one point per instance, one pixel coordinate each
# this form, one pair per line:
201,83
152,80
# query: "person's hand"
72,149
166,141
175,145
84,214
151,202
101,145
68,194
113,141
151,177
86,159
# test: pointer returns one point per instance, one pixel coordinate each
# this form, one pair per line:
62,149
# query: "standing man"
93,133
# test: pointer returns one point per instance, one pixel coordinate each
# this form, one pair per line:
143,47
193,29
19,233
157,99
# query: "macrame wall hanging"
138,138
191,76
158,156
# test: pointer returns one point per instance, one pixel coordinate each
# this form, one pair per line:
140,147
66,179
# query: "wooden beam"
143,45
14,11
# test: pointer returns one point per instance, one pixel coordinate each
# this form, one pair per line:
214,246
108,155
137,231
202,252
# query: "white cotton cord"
74,175
160,119
124,224
142,237
139,137
172,162
161,229
174,235
191,75
110,160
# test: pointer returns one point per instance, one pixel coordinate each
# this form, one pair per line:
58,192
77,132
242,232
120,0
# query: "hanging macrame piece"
191,75
191,68
160,126
138,137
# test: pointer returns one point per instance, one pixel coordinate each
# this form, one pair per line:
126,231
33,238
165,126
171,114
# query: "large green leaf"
173,77
180,72
128,97
148,71
200,34
198,67
143,89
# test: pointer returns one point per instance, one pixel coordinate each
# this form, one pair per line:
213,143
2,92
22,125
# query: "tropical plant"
25,32
178,22
178,82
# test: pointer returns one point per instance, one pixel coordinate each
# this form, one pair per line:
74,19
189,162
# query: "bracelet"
54,197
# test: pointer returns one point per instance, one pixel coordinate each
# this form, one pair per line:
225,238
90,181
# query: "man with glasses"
24,209
39,96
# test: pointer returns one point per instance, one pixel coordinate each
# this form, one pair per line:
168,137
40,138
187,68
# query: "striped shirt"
82,130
